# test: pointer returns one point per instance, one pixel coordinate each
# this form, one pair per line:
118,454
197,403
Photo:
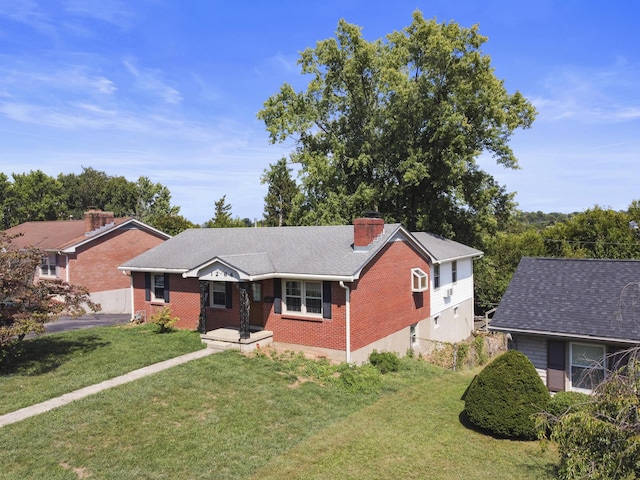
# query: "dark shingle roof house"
567,314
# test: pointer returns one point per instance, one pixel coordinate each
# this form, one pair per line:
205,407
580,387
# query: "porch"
229,339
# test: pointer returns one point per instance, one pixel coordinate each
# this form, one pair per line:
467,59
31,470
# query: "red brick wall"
381,303
95,265
184,299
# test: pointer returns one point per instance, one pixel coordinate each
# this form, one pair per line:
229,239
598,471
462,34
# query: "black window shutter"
166,288
277,295
147,286
227,294
326,300
556,365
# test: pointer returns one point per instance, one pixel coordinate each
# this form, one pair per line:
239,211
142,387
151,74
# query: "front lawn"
230,416
51,365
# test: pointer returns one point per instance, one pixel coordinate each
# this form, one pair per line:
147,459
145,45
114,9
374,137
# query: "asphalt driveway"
86,321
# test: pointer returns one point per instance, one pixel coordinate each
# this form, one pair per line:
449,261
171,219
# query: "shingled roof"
579,298
441,248
273,251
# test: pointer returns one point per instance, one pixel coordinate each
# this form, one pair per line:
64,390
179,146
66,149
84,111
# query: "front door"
255,305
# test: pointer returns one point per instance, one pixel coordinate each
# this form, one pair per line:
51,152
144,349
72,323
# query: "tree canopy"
396,125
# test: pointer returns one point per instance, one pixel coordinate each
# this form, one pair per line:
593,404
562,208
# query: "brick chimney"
365,231
96,218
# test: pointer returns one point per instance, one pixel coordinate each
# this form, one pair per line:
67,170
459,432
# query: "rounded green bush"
504,396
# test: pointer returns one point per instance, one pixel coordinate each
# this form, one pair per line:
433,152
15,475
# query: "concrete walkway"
38,408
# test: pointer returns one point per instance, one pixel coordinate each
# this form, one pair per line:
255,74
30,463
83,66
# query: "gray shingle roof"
573,297
441,248
316,250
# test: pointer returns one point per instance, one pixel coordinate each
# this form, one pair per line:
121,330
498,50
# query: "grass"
230,416
51,365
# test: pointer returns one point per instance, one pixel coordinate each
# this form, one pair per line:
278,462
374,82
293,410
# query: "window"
419,280
256,292
413,334
436,322
455,312
436,276
157,287
587,366
218,295
454,271
48,266
303,297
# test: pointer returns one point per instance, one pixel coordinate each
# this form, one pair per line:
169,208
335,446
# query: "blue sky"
169,89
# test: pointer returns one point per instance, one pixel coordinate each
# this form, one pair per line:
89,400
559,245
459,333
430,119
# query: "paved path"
86,391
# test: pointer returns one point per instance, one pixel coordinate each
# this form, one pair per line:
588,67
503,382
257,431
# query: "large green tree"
281,194
396,125
34,196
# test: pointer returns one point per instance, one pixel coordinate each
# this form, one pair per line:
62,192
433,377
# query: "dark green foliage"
385,361
502,399
565,402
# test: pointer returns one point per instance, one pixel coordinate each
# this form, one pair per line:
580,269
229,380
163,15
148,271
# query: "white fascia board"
302,276
152,269
472,256
90,238
567,336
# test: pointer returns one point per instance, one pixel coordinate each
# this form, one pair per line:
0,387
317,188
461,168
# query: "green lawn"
51,365
230,416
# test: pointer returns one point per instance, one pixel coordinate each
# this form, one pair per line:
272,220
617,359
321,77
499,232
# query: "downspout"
133,310
347,320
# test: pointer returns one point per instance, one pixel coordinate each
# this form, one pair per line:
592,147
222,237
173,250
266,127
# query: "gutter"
347,320
568,336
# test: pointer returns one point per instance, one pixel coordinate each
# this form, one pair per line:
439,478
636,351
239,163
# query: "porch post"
244,311
202,323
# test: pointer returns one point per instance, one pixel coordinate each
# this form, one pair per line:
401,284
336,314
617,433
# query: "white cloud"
149,81
590,95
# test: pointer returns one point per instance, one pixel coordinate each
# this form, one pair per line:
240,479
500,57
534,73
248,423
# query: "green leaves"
395,125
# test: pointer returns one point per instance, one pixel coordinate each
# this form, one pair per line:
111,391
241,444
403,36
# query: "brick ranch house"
338,291
571,316
88,252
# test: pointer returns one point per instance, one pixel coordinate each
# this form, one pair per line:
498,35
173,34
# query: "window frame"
212,294
436,276
46,262
595,365
153,285
413,335
304,298
436,321
419,280
454,271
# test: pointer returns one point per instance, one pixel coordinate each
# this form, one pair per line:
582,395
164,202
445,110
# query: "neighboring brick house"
570,316
88,252
340,291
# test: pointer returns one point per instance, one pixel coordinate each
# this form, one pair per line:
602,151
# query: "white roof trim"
568,336
72,248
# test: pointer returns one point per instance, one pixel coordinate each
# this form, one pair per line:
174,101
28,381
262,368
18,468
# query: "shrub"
164,320
362,379
385,361
505,395
565,402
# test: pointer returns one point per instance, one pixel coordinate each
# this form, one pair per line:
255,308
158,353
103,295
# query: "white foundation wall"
113,301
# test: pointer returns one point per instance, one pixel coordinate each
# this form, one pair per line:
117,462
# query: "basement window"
419,280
